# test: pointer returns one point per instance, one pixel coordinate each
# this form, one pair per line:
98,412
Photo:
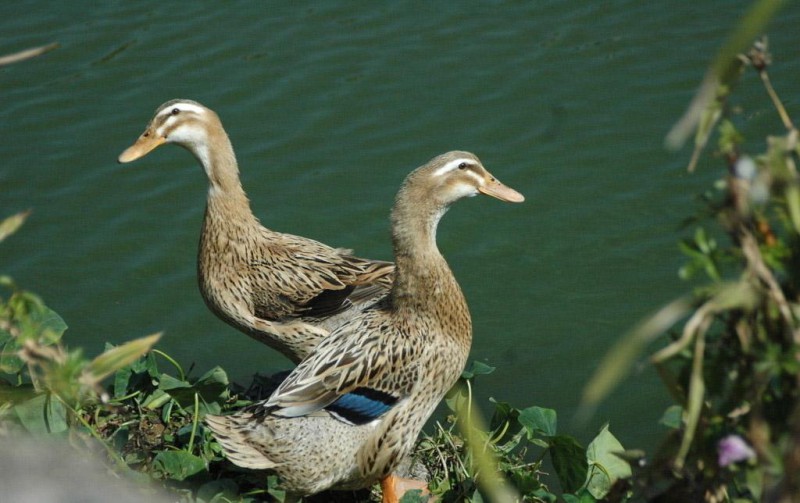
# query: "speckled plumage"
286,291
410,346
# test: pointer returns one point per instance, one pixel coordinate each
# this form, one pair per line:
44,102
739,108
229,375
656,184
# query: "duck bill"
143,146
502,192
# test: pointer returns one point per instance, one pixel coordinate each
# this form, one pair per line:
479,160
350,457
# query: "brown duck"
351,411
286,291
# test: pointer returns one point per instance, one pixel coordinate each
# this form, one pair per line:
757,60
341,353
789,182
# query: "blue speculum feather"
362,405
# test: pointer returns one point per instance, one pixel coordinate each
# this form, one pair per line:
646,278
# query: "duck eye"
463,165
175,111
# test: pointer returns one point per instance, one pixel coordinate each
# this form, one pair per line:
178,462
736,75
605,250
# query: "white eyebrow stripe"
450,166
184,107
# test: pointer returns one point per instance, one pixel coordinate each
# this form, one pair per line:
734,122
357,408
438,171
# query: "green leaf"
547,496
729,138
673,417
569,462
120,438
184,432
583,496
11,224
754,481
211,388
792,195
414,496
605,467
166,412
526,482
156,400
44,325
178,465
141,375
213,383
10,363
504,413
168,383
42,415
477,368
456,398
218,490
538,421
116,358
14,394
273,489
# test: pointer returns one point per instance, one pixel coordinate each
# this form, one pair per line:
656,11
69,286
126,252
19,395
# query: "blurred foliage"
34,362
471,461
723,73
732,358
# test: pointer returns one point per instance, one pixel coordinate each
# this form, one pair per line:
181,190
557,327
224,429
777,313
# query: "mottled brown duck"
283,290
351,411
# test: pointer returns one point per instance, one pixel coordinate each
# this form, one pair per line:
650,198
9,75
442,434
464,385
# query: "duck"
352,410
283,290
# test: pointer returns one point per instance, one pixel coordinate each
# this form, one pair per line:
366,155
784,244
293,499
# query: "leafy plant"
732,361
472,462
45,387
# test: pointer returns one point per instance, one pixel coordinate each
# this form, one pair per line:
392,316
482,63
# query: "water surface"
328,108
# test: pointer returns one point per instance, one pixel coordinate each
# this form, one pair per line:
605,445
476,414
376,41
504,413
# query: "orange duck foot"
395,487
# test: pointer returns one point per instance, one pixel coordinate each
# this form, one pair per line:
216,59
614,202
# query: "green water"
329,107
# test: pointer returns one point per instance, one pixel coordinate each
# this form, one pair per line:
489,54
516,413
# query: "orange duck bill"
493,187
143,146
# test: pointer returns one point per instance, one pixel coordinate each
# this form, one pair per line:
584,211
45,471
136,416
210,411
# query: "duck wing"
358,373
305,278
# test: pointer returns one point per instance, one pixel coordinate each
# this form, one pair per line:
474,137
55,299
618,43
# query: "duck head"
183,122
454,175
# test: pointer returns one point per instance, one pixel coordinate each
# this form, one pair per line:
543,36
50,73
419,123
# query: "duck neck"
423,280
226,196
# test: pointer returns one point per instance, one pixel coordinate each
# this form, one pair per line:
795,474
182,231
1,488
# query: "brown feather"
283,290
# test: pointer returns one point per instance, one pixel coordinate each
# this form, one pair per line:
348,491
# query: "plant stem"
175,364
787,121
695,403
194,420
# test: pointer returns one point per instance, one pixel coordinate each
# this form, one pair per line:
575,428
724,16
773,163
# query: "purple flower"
733,449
